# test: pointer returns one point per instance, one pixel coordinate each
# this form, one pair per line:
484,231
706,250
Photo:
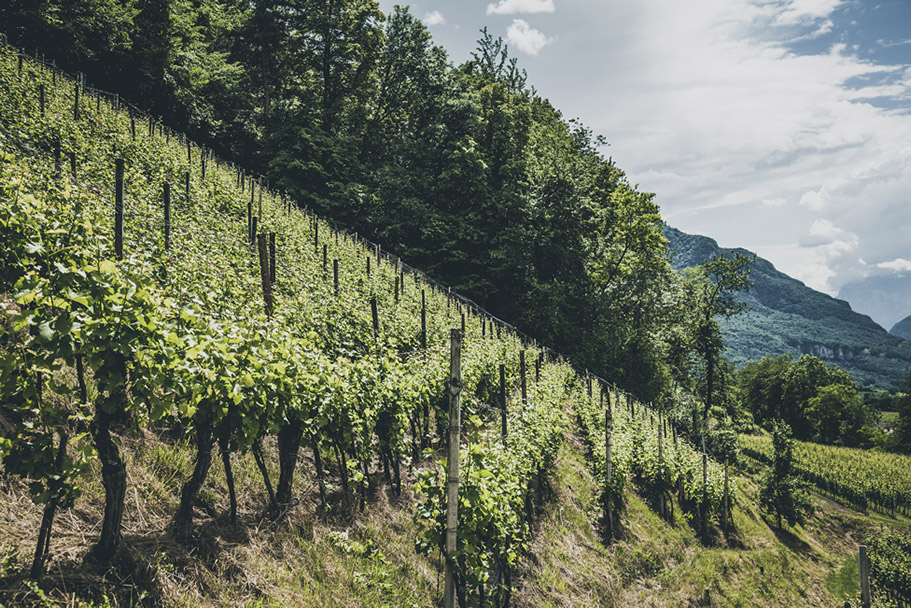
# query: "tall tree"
722,279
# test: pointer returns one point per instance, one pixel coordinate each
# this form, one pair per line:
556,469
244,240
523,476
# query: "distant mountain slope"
786,315
902,329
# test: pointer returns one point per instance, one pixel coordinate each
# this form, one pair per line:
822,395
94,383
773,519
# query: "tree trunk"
289,440
229,477
319,476
114,480
183,519
257,450
47,519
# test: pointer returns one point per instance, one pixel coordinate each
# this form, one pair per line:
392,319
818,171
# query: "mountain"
902,329
786,315
885,299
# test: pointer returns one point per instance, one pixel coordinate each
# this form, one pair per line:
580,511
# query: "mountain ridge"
787,316
902,329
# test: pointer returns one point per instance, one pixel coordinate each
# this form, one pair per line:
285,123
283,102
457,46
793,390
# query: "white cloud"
512,7
815,200
432,18
526,38
802,11
708,105
897,265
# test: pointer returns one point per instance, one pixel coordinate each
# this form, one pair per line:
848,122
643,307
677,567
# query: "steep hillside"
786,315
902,329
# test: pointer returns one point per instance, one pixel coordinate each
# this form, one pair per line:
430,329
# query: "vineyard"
149,285
862,478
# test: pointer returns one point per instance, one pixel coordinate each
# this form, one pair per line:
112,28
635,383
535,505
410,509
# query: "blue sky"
782,126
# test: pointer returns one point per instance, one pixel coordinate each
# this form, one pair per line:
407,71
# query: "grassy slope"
369,559
660,564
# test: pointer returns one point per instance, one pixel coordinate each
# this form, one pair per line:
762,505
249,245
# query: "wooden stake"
608,473
376,318
423,320
452,477
863,567
335,275
253,230
264,273
76,100
167,215
522,375
272,258
726,506
118,208
503,428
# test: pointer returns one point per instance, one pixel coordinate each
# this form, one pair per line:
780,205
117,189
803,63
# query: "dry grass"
307,559
367,558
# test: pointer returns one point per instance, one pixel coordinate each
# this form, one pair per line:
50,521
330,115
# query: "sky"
780,126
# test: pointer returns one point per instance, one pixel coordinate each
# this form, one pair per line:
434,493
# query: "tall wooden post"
726,506
41,98
167,215
661,505
250,222
118,208
264,273
253,230
272,258
503,428
522,375
863,567
452,477
368,266
325,257
186,186
423,320
76,100
376,318
260,184
705,490
608,468
335,276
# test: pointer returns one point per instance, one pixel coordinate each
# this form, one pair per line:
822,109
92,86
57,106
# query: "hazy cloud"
526,38
432,18
512,7
898,264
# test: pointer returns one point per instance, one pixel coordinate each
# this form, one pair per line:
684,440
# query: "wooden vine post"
522,375
452,476
863,567
662,506
335,276
264,273
423,320
118,208
272,258
608,470
503,429
705,489
376,318
726,504
167,215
